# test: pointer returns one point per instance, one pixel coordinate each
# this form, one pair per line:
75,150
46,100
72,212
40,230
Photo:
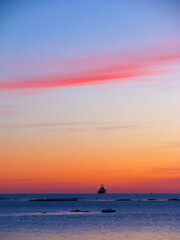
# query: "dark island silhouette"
101,189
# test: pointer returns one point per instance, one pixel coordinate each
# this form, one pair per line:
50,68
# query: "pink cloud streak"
122,68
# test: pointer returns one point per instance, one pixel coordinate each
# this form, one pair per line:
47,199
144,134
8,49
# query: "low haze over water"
137,217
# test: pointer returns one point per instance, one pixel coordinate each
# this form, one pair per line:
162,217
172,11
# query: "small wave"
54,200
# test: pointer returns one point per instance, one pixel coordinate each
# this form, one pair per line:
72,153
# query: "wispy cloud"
59,124
115,127
6,110
122,67
37,181
173,144
166,170
19,180
77,126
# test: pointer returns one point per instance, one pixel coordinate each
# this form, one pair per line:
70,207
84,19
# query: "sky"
89,94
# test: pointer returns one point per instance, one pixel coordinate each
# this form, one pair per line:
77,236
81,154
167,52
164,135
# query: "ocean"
49,216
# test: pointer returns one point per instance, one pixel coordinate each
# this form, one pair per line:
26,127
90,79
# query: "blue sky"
43,30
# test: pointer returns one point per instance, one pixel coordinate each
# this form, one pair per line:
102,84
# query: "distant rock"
174,199
124,199
77,210
4,198
108,210
151,199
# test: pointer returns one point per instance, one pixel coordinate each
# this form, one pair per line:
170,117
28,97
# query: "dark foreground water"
136,218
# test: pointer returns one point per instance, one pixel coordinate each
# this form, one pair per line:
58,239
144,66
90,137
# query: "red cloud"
122,67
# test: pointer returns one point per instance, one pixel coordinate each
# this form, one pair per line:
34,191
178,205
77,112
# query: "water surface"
139,217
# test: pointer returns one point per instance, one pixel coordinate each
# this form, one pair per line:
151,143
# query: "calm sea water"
138,219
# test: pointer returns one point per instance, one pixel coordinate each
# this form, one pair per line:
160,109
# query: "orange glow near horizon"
79,162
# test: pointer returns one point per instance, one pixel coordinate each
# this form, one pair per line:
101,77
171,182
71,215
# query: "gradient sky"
89,94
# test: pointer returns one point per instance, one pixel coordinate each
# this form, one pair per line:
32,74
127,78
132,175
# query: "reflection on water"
45,213
130,235
133,220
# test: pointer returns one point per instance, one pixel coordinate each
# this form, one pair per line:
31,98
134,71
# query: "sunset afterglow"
90,94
